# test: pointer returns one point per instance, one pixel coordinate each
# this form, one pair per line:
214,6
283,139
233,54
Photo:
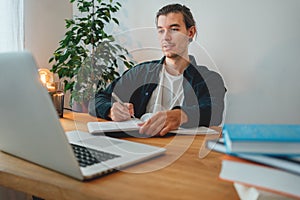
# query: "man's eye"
160,31
174,29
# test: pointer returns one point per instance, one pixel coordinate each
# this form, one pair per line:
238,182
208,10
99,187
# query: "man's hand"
163,122
121,112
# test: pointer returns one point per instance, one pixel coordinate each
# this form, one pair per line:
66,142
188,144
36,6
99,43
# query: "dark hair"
177,8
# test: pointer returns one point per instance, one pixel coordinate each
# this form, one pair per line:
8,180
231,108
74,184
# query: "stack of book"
260,156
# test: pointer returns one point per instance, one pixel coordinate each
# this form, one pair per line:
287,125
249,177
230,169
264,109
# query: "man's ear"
191,33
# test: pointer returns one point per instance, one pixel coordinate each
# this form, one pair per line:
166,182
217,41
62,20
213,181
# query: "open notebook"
132,125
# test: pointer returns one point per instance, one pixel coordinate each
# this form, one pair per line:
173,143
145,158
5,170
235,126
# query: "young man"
174,89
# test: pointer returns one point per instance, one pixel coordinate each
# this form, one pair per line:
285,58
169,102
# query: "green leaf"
115,20
69,22
51,59
119,4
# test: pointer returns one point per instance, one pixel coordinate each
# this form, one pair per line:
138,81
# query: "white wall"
255,45
45,27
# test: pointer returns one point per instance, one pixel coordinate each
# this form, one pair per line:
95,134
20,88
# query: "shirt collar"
192,60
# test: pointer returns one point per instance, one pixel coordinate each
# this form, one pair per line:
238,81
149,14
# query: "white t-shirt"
168,94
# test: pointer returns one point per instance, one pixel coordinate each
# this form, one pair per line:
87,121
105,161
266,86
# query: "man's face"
173,35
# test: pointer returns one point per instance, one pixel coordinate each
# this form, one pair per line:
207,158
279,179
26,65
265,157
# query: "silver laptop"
30,128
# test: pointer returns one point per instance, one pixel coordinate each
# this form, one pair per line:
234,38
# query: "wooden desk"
187,177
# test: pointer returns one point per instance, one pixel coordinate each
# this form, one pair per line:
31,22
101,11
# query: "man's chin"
171,55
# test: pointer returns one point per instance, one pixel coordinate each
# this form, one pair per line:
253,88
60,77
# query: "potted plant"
88,58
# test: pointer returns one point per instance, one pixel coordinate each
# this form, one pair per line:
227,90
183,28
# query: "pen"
120,101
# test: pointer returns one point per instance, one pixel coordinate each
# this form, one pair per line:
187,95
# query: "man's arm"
134,86
100,105
204,103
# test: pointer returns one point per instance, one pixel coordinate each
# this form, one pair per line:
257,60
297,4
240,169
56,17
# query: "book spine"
227,140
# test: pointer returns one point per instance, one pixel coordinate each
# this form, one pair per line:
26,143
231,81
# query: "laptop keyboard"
87,156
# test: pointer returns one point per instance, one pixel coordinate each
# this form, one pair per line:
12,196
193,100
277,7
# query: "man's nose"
167,35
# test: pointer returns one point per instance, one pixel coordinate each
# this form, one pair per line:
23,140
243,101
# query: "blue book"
278,139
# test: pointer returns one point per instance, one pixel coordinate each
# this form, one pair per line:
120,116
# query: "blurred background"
254,45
